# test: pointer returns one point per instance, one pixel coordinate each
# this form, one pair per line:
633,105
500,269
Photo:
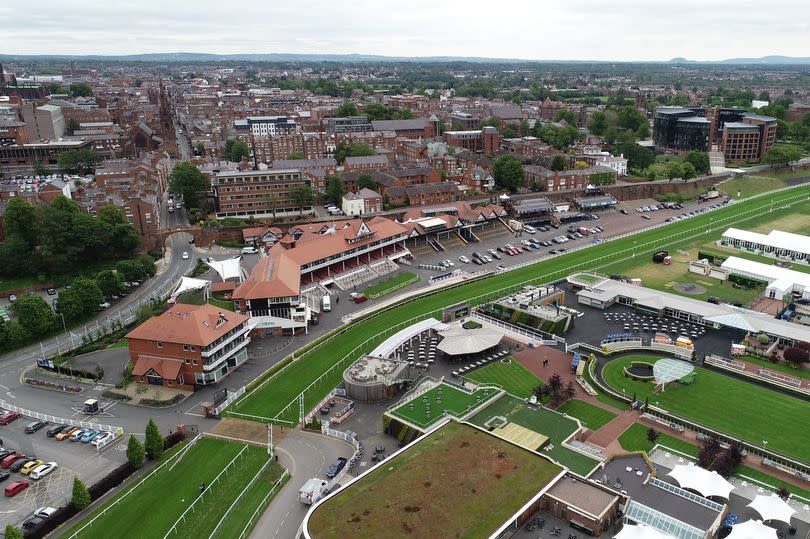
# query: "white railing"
230,398
174,458
325,429
204,492
535,334
261,504
118,431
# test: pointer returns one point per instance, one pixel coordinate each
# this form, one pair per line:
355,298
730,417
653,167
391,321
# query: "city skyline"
577,30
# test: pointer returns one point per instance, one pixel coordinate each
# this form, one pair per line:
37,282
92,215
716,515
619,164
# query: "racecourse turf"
275,398
739,408
513,377
589,415
428,408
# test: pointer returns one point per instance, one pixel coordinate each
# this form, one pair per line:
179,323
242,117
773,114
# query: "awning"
640,531
752,529
703,481
226,269
459,341
772,508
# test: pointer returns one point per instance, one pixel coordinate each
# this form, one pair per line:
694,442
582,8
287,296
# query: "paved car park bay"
55,489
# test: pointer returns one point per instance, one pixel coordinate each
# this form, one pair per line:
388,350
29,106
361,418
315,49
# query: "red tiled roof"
198,325
168,369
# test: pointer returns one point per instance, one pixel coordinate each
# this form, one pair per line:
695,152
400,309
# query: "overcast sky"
530,29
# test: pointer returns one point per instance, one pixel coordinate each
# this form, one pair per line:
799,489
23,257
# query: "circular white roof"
668,369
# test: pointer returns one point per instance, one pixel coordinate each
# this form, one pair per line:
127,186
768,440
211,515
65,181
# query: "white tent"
772,508
226,269
752,529
459,341
703,481
640,531
189,283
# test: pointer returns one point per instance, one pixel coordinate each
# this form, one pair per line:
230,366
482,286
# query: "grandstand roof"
775,238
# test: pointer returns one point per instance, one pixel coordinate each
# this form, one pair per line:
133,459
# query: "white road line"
196,415
195,406
10,395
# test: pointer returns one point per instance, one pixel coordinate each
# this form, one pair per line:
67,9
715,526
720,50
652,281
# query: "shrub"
763,339
154,441
81,496
135,452
796,355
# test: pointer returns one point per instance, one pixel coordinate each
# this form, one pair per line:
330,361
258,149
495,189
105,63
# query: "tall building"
740,135
260,193
484,140
262,126
348,124
44,122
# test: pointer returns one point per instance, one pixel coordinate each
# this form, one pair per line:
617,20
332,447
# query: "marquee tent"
752,529
772,508
703,481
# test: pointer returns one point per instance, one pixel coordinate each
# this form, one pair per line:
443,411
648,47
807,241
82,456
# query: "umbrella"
772,508
752,529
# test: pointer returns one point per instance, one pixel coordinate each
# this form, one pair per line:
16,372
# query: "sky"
528,29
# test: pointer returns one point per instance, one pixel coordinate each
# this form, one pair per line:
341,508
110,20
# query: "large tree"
334,189
630,118
135,452
82,161
192,184
638,157
346,109
508,172
781,155
81,496
154,441
302,196
569,116
699,160
71,126
353,149
22,218
236,150
80,89
110,283
558,162
81,299
34,314
366,181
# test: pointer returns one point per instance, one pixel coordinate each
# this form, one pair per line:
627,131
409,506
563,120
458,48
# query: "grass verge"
591,416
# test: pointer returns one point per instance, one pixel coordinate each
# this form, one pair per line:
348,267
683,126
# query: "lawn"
513,377
746,186
458,482
547,422
276,397
221,303
726,404
120,343
635,439
390,285
430,407
167,493
589,415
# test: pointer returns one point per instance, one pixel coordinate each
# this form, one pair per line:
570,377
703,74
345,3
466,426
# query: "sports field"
457,482
513,377
275,397
430,407
547,422
391,285
739,408
149,509
589,415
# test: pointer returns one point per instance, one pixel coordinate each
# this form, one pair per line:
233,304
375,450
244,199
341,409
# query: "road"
305,455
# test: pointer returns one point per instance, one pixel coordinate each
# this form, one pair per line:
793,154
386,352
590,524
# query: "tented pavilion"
460,344
702,481
227,269
772,507
752,529
640,531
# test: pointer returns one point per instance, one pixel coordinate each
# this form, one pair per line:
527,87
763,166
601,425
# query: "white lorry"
326,303
312,491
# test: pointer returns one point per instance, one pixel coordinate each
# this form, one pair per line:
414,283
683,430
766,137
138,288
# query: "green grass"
513,377
453,401
748,186
165,495
58,280
390,285
591,416
780,367
236,520
547,422
221,303
726,404
601,396
458,482
276,397
120,343
635,439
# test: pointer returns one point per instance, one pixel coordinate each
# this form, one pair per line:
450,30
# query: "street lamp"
64,326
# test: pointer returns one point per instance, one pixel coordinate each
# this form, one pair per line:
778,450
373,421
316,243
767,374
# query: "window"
188,361
185,348
194,362
159,344
193,348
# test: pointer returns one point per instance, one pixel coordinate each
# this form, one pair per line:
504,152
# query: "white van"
530,229
326,303
249,250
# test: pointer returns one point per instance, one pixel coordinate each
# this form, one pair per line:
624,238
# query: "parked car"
357,297
335,467
12,298
77,435
20,463
496,256
5,452
51,291
477,261
102,306
16,487
56,429
41,471
464,259
11,459
4,476
66,433
645,217
8,417
102,439
30,466
185,255
89,436
32,522
501,267
45,512
34,426
487,259
623,211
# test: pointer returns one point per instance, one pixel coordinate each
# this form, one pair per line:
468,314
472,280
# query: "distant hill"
765,60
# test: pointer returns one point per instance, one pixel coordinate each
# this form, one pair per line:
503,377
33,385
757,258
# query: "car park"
8,417
336,467
31,465
44,469
16,487
34,426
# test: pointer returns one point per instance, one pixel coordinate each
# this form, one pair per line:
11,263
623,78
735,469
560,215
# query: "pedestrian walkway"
610,432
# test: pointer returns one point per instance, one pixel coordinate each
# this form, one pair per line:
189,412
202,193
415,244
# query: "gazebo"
640,531
752,529
772,507
702,481
465,342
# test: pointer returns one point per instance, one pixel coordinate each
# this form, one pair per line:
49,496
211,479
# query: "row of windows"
353,252
259,179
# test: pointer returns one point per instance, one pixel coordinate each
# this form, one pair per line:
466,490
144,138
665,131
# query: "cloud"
538,29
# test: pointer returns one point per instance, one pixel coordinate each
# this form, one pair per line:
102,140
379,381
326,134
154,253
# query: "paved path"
305,455
609,432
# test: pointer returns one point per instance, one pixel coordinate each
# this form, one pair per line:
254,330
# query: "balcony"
214,363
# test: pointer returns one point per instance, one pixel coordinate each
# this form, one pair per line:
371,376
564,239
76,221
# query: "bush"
81,496
796,356
763,339
154,441
135,452
746,282
12,532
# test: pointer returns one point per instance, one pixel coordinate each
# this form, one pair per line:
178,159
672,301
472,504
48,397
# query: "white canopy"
389,345
640,531
460,341
189,283
703,481
226,269
772,508
752,529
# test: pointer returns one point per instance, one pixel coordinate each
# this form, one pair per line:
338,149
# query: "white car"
45,512
101,439
185,255
464,259
449,263
43,470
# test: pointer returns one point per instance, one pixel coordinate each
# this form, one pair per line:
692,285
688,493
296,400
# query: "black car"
335,467
623,211
477,261
6,452
51,291
31,523
56,429
18,464
561,250
496,256
34,426
555,225
4,476
552,252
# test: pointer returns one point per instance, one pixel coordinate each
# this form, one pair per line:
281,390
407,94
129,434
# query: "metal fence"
261,505
232,397
118,431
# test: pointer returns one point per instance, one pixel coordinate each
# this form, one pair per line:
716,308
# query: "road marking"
10,395
195,406
4,387
196,415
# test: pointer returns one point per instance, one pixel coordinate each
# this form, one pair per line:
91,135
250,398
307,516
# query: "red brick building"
485,140
188,346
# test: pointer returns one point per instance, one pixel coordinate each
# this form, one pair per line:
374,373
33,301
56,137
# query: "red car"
358,298
11,459
16,487
8,417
